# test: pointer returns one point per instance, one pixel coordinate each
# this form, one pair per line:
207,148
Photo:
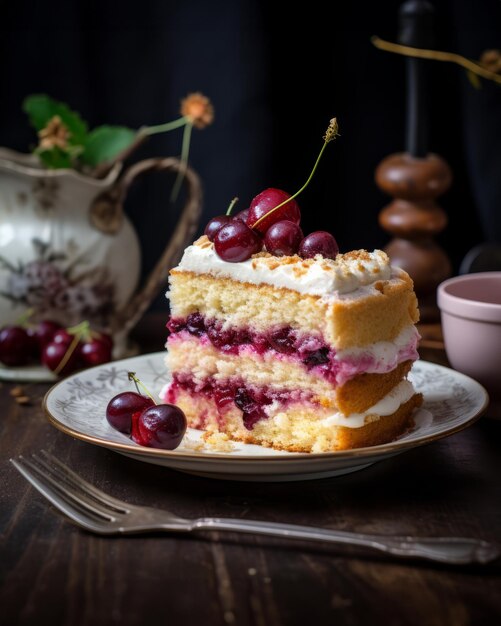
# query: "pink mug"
470,307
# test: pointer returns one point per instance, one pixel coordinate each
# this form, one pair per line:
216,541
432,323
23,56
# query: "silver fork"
100,513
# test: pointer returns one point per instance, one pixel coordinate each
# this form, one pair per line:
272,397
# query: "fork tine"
68,493
81,517
60,470
59,481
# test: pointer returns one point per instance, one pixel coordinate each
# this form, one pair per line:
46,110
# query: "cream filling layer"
380,357
399,395
318,276
377,358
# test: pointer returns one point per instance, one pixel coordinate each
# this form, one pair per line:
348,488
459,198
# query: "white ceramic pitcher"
67,250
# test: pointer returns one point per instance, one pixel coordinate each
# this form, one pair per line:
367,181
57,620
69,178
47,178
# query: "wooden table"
51,572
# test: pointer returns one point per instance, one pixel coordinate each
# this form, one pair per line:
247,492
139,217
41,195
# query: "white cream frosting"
318,276
388,405
384,355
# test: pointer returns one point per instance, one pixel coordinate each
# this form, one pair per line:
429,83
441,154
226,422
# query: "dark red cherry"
104,338
264,202
283,340
319,242
236,242
122,406
134,430
95,352
54,353
44,331
215,224
195,324
160,426
283,238
16,346
62,336
241,215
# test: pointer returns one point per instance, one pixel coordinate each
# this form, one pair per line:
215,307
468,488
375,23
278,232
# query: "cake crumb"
299,271
22,399
201,240
195,446
19,395
252,571
220,442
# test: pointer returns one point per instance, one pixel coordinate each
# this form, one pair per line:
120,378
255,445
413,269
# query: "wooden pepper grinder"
415,178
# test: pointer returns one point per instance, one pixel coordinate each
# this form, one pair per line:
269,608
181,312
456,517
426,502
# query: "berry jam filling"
252,401
312,351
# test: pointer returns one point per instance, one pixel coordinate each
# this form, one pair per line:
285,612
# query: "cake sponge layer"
297,429
376,312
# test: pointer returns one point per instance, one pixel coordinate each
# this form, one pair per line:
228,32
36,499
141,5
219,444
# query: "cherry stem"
71,348
139,384
329,136
82,330
231,205
22,320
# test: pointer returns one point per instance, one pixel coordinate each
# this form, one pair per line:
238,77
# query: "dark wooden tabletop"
52,572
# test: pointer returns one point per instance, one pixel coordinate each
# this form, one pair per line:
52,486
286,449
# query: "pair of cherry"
60,349
273,218
148,424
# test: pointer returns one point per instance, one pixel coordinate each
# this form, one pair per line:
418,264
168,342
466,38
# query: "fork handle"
456,550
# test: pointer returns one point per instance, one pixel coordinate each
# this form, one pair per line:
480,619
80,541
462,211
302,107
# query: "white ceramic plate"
27,374
77,406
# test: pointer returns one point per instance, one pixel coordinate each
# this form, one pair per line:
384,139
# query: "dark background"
276,76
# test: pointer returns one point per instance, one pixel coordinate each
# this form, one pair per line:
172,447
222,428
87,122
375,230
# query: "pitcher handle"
183,234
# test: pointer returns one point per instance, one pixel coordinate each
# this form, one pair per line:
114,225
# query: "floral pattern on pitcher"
63,295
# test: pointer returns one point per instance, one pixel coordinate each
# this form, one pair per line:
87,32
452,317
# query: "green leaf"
41,108
55,158
105,143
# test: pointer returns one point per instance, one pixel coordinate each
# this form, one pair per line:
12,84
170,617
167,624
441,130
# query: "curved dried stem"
436,55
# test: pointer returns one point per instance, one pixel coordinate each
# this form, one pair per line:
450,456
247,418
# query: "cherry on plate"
62,336
44,331
160,426
16,346
121,408
95,352
53,355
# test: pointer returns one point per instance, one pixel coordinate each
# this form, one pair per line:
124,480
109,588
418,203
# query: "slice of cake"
300,354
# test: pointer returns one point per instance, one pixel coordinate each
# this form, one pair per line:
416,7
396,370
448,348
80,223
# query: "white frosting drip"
388,405
317,276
